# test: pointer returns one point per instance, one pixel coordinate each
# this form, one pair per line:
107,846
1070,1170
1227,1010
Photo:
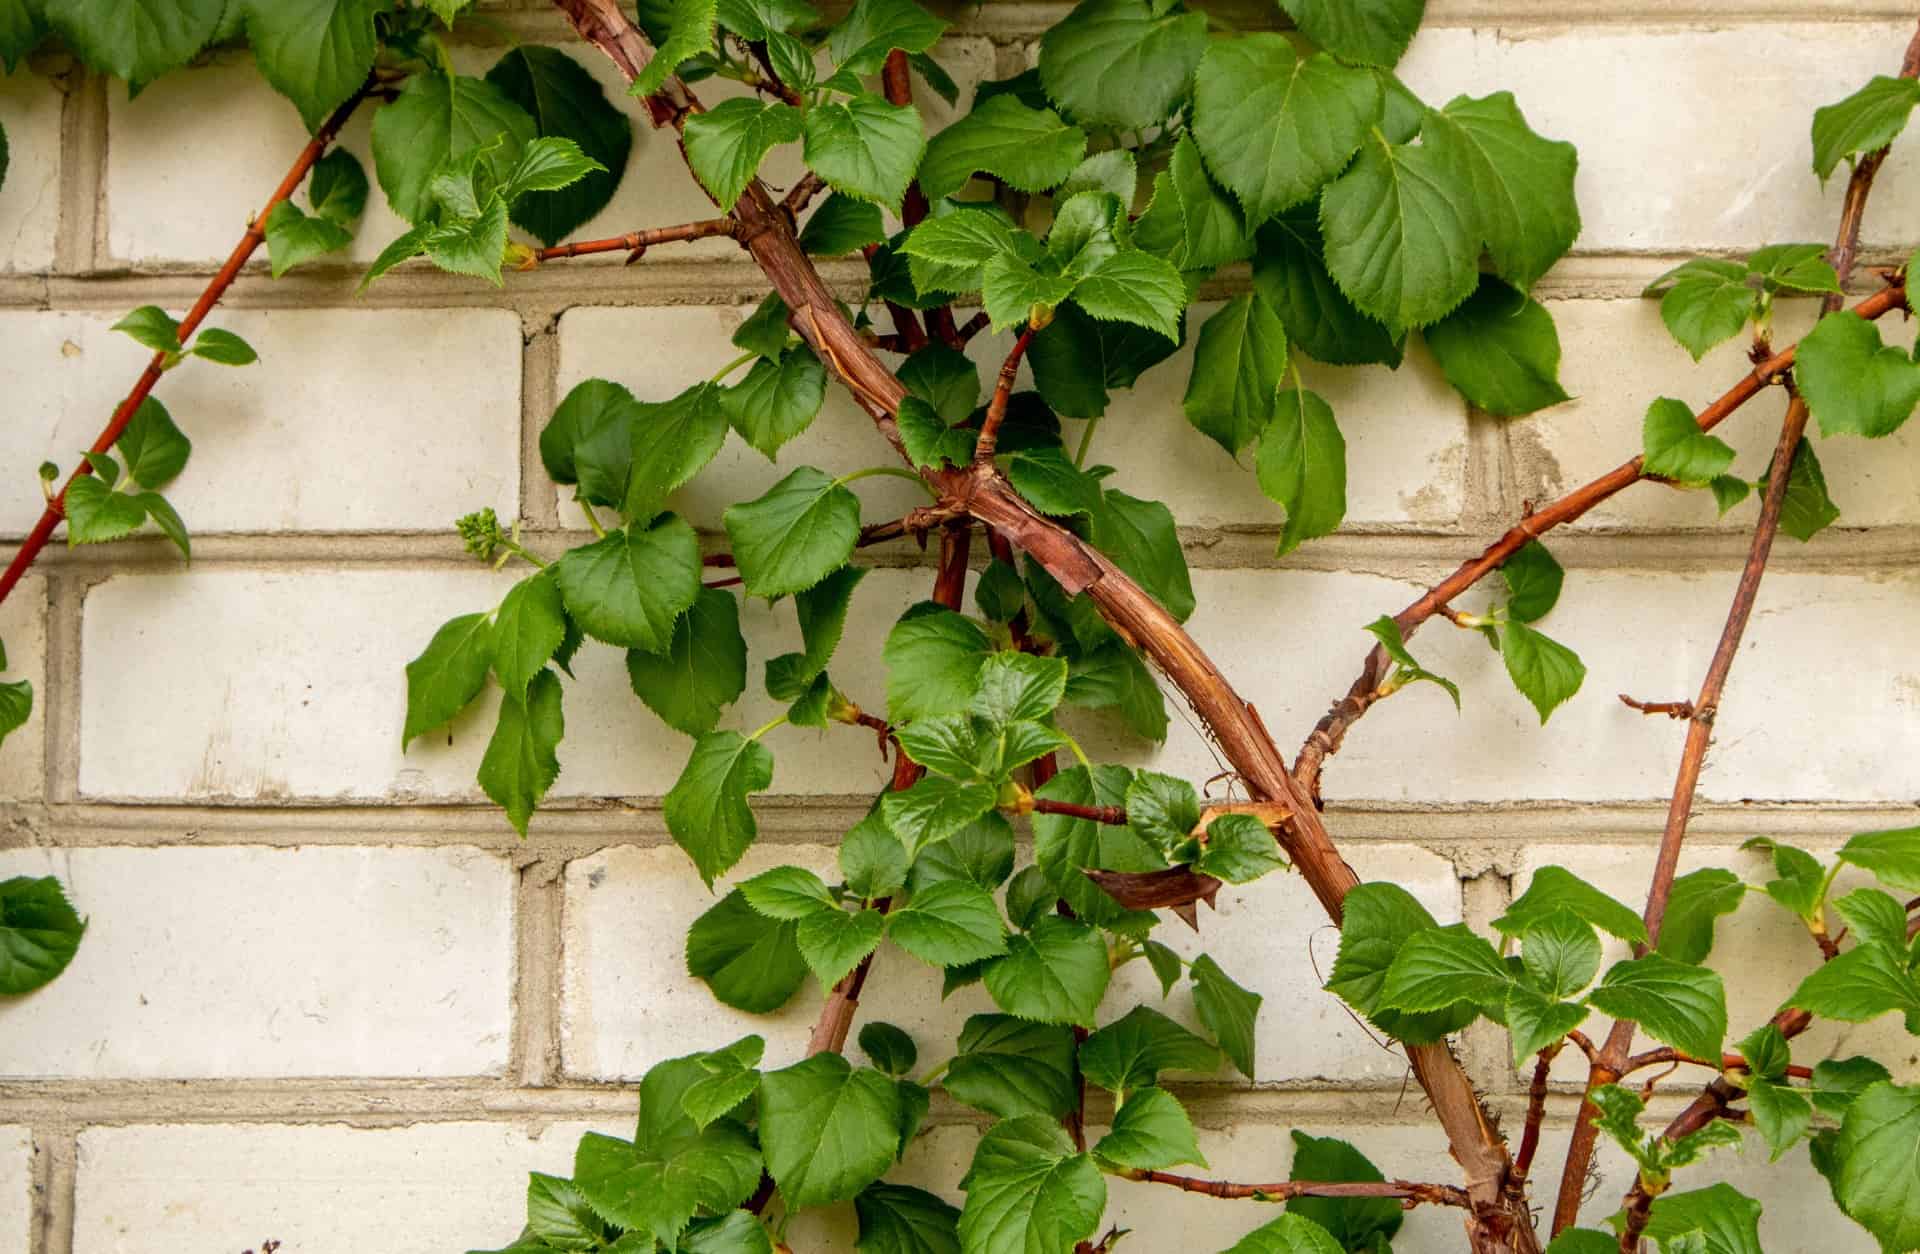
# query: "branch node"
1672,709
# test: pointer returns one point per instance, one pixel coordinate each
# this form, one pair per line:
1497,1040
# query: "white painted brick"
30,107
352,420
1761,951
307,710
212,175
272,962
629,1002
1617,357
317,1189
1406,430
16,1187
1594,748
1670,158
23,627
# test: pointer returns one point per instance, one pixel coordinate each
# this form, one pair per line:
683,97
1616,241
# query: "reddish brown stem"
803,192
1672,709
836,1017
1328,734
1410,1192
917,522
1728,1062
972,327
1112,816
1613,1055
637,242
1536,1115
209,296
1002,393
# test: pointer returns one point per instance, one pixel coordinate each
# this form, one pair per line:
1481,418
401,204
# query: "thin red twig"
1002,392
1112,816
1410,1192
636,243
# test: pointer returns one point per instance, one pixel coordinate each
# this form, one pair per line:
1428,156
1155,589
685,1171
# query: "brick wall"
327,996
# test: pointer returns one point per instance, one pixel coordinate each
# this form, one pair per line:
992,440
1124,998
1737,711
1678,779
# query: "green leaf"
788,892
934,809
154,448
1863,983
728,1078
1063,845
1837,1082
1874,917
135,40
1877,1183
589,441
1533,580
559,1217
1584,1241
945,379
1696,900
777,400
1289,1234
151,327
1372,32
1123,63
749,961
1014,292
1560,953
949,924
1274,126
166,518
16,705
404,247
896,1219
434,120
1807,510
1015,686
1028,1191
842,225
1868,119
1030,150
39,933
1729,491
689,33
671,1169
1407,668
223,348
1851,381
726,143
1377,920
1239,849
764,331
21,27
1239,362
1009,1067
891,1049
1134,287
1727,1221
865,147
828,1130
337,188
1057,973
294,238
933,658
802,530
1191,222
1290,271
1438,967
549,163
1709,303
707,810
447,675
528,629
566,102
1535,1022
1150,1130
1893,856
630,588
1781,1114
872,858
1052,484
1796,267
1227,1010
1675,1002
1500,350
314,52
1143,540
948,253
1354,1223
822,611
519,765
668,443
1162,809
1554,889
1676,448
1402,240
1302,465
833,941
702,672
1520,186
1131,1052
873,28
1545,671
472,246
736,1232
